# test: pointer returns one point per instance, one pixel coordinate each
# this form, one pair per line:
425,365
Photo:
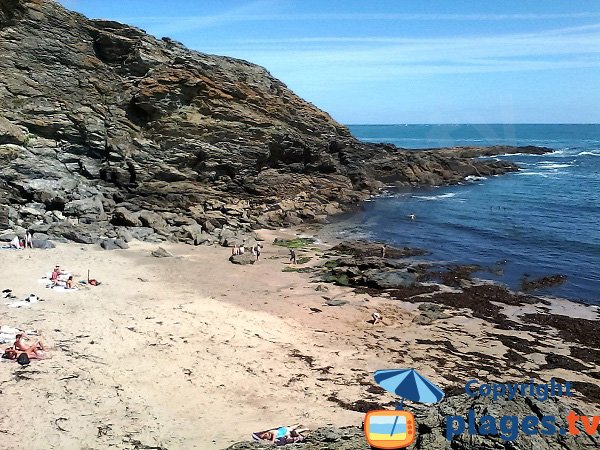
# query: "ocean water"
543,220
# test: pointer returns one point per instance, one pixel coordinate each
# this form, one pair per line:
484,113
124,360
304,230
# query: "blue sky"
389,61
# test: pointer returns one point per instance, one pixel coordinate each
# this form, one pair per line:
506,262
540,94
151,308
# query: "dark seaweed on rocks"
362,249
571,329
542,282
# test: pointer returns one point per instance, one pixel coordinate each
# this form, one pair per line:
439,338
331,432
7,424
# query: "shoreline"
169,350
519,278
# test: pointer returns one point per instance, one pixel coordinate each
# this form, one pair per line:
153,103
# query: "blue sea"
542,220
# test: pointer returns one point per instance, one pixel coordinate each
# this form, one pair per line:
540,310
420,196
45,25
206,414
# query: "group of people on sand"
20,244
34,349
58,278
241,249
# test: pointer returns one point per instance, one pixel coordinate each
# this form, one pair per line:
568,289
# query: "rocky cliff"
106,131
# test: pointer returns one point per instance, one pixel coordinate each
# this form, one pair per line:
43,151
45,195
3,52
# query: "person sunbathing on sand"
282,435
34,346
12,353
70,283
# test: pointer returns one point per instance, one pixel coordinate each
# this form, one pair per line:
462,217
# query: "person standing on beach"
383,250
292,256
28,240
257,251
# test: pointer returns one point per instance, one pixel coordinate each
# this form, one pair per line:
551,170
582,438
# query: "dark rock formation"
114,244
244,259
106,132
161,253
542,282
431,428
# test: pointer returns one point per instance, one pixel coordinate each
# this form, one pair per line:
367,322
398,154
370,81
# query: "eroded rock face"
103,126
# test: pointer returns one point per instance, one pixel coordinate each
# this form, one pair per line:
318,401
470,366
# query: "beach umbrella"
409,384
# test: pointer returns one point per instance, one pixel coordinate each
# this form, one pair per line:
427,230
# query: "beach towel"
4,329
19,304
280,438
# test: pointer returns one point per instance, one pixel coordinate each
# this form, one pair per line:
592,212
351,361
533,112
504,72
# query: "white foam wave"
549,165
475,178
538,174
588,154
435,197
510,154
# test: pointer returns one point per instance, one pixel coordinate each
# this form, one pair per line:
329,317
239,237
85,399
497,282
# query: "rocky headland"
108,133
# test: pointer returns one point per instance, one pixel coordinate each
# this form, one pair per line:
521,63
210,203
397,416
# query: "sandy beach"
195,352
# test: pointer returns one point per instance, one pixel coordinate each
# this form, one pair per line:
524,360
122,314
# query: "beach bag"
23,359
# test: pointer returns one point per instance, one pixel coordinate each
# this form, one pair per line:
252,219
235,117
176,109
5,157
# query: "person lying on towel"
281,435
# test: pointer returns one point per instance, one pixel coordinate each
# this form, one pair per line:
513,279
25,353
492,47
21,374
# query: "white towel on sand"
19,304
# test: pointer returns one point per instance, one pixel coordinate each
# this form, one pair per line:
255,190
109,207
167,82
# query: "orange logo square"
390,429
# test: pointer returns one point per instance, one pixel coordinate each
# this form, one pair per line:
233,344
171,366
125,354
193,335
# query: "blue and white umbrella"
409,384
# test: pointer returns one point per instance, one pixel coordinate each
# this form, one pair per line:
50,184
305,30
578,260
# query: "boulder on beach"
389,279
114,244
43,244
161,253
246,258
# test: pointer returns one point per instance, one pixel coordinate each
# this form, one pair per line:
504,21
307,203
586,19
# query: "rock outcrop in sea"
107,132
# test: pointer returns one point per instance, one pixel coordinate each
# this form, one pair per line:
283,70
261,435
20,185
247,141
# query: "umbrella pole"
400,406
394,426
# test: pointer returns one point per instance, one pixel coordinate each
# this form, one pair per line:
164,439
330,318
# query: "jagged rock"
246,258
126,218
118,128
389,279
11,134
208,226
227,237
43,244
161,253
91,207
114,244
153,220
336,302
7,236
124,234
141,233
431,428
192,231
79,234
430,312
204,238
